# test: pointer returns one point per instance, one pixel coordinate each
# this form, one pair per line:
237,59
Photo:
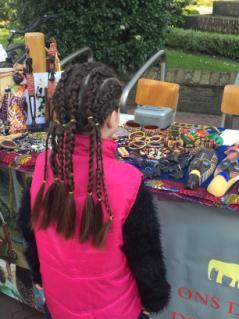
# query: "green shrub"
210,43
190,10
122,33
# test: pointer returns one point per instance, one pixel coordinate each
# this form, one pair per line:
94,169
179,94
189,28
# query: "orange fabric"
230,100
157,93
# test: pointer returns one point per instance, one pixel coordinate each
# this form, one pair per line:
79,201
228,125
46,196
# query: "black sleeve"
142,246
24,224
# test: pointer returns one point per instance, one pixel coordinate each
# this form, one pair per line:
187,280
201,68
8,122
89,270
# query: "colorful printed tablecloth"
14,167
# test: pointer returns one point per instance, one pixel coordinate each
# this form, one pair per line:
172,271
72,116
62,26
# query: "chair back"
230,104
157,93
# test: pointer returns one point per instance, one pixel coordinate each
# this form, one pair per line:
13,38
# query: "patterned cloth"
4,107
26,163
20,162
17,114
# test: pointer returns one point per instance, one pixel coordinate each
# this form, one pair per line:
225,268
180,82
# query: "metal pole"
72,56
160,54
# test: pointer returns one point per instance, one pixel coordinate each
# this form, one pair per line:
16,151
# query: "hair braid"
66,224
39,198
98,219
100,237
101,233
87,226
52,203
53,155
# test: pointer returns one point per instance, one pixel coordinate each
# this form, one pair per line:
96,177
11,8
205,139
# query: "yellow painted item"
157,93
222,268
196,172
230,100
35,41
219,186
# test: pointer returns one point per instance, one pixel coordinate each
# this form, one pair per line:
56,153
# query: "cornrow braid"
102,230
66,222
39,198
87,223
100,236
96,227
98,168
51,203
98,219
60,152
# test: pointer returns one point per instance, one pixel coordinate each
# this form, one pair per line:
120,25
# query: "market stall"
198,228
192,170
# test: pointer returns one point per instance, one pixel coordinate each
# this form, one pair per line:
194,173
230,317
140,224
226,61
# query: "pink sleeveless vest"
80,281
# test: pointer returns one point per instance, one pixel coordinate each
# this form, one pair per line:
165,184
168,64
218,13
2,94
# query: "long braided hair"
85,96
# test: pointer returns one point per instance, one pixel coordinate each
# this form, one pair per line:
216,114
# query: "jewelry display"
172,149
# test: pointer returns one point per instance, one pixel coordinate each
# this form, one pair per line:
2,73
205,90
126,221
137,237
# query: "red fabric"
51,88
79,280
23,163
30,84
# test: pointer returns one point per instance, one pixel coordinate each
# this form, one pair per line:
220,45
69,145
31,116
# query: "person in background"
94,244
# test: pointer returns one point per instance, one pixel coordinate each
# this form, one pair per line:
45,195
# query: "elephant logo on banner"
224,270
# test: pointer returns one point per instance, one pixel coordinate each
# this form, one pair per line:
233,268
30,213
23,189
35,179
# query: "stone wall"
213,23
226,8
200,92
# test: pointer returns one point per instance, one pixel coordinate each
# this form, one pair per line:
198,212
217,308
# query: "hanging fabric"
31,88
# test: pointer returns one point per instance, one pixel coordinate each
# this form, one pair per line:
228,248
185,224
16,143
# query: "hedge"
123,33
210,43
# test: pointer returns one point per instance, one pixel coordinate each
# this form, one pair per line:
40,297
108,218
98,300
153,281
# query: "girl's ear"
112,121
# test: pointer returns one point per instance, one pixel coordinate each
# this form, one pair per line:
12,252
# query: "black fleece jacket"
142,246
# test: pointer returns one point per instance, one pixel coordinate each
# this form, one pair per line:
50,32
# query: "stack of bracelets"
152,143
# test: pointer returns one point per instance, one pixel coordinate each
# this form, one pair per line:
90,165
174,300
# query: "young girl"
95,244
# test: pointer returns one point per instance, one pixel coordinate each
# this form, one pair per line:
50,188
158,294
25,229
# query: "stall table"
199,237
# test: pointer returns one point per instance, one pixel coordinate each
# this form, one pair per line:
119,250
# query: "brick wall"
200,92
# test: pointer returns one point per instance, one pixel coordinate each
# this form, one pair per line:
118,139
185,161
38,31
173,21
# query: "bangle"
156,139
136,145
136,135
154,144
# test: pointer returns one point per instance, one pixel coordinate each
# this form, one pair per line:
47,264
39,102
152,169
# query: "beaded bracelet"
150,129
132,126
